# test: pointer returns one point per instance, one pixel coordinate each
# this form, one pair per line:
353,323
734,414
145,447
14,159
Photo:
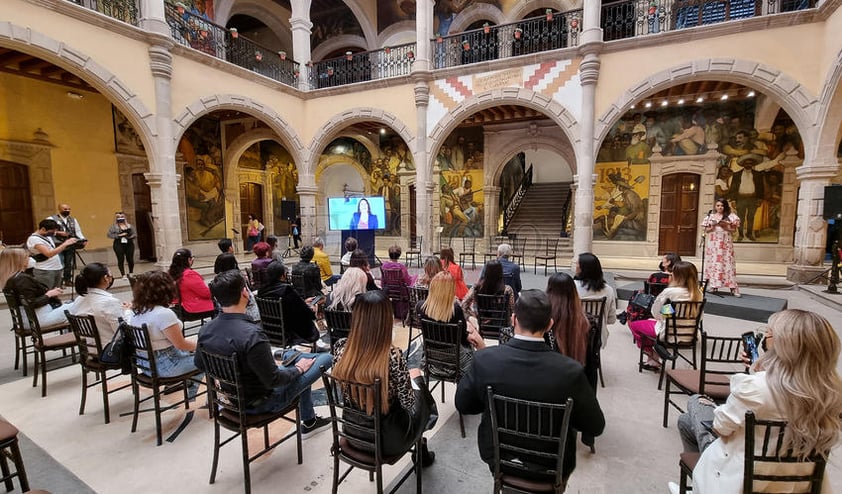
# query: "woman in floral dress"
720,266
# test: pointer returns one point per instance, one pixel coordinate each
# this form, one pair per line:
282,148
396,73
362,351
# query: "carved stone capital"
160,61
301,24
422,94
816,172
589,69
154,179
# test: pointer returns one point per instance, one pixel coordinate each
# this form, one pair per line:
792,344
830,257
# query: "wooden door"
679,214
251,202
143,218
16,220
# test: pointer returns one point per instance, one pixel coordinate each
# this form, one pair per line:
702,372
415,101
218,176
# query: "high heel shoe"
427,456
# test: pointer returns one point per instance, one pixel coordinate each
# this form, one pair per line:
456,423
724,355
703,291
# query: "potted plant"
518,32
349,55
439,39
181,8
653,8
466,45
258,56
549,15
282,55
486,28
387,50
410,55
329,71
234,33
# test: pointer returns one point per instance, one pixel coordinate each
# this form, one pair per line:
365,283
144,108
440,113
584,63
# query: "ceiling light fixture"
681,101
648,104
724,97
750,94
75,95
665,103
699,99
382,131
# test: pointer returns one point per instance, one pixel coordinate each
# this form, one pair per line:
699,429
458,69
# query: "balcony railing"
196,32
122,10
550,32
630,18
363,66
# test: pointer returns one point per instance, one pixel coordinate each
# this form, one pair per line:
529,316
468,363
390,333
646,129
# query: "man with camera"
68,227
42,248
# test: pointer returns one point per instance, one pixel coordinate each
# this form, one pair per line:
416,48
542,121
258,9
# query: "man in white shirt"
41,246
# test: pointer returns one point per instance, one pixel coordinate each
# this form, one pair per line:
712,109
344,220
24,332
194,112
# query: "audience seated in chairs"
359,259
432,266
684,285
511,271
395,280
299,314
173,354
321,259
490,283
590,282
526,368
795,380
45,302
352,283
262,251
227,262
92,284
269,387
368,354
192,294
305,275
654,285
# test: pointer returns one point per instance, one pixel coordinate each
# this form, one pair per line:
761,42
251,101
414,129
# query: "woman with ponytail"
92,284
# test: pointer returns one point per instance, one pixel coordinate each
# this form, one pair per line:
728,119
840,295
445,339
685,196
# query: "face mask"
65,213
121,220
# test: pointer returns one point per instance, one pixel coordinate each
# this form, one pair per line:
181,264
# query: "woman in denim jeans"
153,292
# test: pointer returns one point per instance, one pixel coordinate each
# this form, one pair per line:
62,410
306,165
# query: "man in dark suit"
528,369
299,314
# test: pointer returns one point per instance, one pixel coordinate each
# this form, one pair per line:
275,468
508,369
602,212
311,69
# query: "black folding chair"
442,355
493,314
596,308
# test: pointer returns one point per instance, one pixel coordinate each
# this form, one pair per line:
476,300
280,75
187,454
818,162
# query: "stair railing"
565,211
517,197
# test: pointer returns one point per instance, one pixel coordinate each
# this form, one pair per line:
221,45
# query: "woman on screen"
364,219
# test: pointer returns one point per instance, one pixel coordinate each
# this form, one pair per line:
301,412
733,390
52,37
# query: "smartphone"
291,359
750,345
316,300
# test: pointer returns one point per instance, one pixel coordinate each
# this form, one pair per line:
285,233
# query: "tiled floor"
634,455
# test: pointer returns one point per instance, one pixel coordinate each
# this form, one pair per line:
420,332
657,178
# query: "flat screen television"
348,213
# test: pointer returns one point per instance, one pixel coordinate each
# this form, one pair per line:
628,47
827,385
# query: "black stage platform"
747,307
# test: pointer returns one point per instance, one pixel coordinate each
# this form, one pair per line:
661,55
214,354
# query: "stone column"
307,195
301,49
810,227
152,17
423,33
491,193
162,176
423,165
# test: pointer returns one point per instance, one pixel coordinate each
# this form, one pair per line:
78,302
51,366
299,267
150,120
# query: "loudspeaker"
288,210
832,201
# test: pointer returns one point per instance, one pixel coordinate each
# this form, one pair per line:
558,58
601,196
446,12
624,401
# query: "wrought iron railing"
565,214
630,18
363,66
122,10
549,32
196,32
514,202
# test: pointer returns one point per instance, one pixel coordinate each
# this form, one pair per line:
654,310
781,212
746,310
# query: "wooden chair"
338,326
596,308
43,344
257,278
550,254
298,283
191,317
23,335
90,348
392,284
720,360
442,356
10,449
469,250
228,407
490,251
357,438
145,374
493,314
767,461
272,320
518,253
444,241
654,289
681,333
529,432
416,294
413,253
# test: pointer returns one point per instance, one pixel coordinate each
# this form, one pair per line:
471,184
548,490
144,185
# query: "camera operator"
123,234
68,227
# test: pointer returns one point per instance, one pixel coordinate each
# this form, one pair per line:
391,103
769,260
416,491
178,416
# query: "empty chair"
549,255
228,407
518,248
490,250
469,251
413,253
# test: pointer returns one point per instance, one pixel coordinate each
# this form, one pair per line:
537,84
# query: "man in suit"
526,368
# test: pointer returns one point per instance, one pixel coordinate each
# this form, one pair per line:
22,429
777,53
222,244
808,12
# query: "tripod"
76,255
290,250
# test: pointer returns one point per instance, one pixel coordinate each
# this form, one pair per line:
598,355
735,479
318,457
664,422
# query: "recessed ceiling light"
664,103
648,104
681,101
750,94
699,99
724,97
382,130
632,107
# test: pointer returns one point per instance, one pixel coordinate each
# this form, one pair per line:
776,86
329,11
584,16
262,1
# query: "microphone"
710,212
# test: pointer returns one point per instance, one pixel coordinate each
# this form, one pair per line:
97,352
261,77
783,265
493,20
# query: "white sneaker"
673,487
321,346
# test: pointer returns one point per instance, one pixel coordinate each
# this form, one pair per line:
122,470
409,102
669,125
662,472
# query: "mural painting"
278,162
203,185
333,20
126,139
461,160
749,171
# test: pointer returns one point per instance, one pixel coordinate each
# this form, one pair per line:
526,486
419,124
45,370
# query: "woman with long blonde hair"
795,380
352,283
441,305
683,286
13,277
368,354
432,266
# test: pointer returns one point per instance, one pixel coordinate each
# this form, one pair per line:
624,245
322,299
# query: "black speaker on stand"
288,213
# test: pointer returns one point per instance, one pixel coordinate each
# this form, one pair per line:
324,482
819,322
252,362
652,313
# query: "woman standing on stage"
123,235
720,266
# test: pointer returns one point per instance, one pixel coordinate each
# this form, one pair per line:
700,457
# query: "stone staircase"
539,217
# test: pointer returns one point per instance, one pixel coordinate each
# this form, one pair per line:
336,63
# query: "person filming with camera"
123,235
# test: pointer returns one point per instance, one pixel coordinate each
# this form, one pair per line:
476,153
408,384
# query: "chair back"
223,378
13,300
551,247
354,426
87,336
338,326
469,245
143,358
415,243
493,314
595,307
441,348
444,241
519,245
720,360
653,288
392,283
34,325
257,278
529,438
416,294
272,320
298,283
769,467
682,327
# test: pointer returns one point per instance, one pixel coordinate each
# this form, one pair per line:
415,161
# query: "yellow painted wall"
785,49
84,166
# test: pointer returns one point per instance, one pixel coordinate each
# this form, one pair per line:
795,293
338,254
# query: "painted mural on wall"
461,160
126,139
203,180
749,171
333,20
278,162
621,199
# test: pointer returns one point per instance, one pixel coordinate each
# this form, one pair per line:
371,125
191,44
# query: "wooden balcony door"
679,214
16,221
143,218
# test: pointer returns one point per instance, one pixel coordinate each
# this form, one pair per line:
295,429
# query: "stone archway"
523,8
477,12
829,117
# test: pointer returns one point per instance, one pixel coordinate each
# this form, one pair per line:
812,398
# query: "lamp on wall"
75,96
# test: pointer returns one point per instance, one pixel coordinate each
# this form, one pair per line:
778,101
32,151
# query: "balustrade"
122,10
362,66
